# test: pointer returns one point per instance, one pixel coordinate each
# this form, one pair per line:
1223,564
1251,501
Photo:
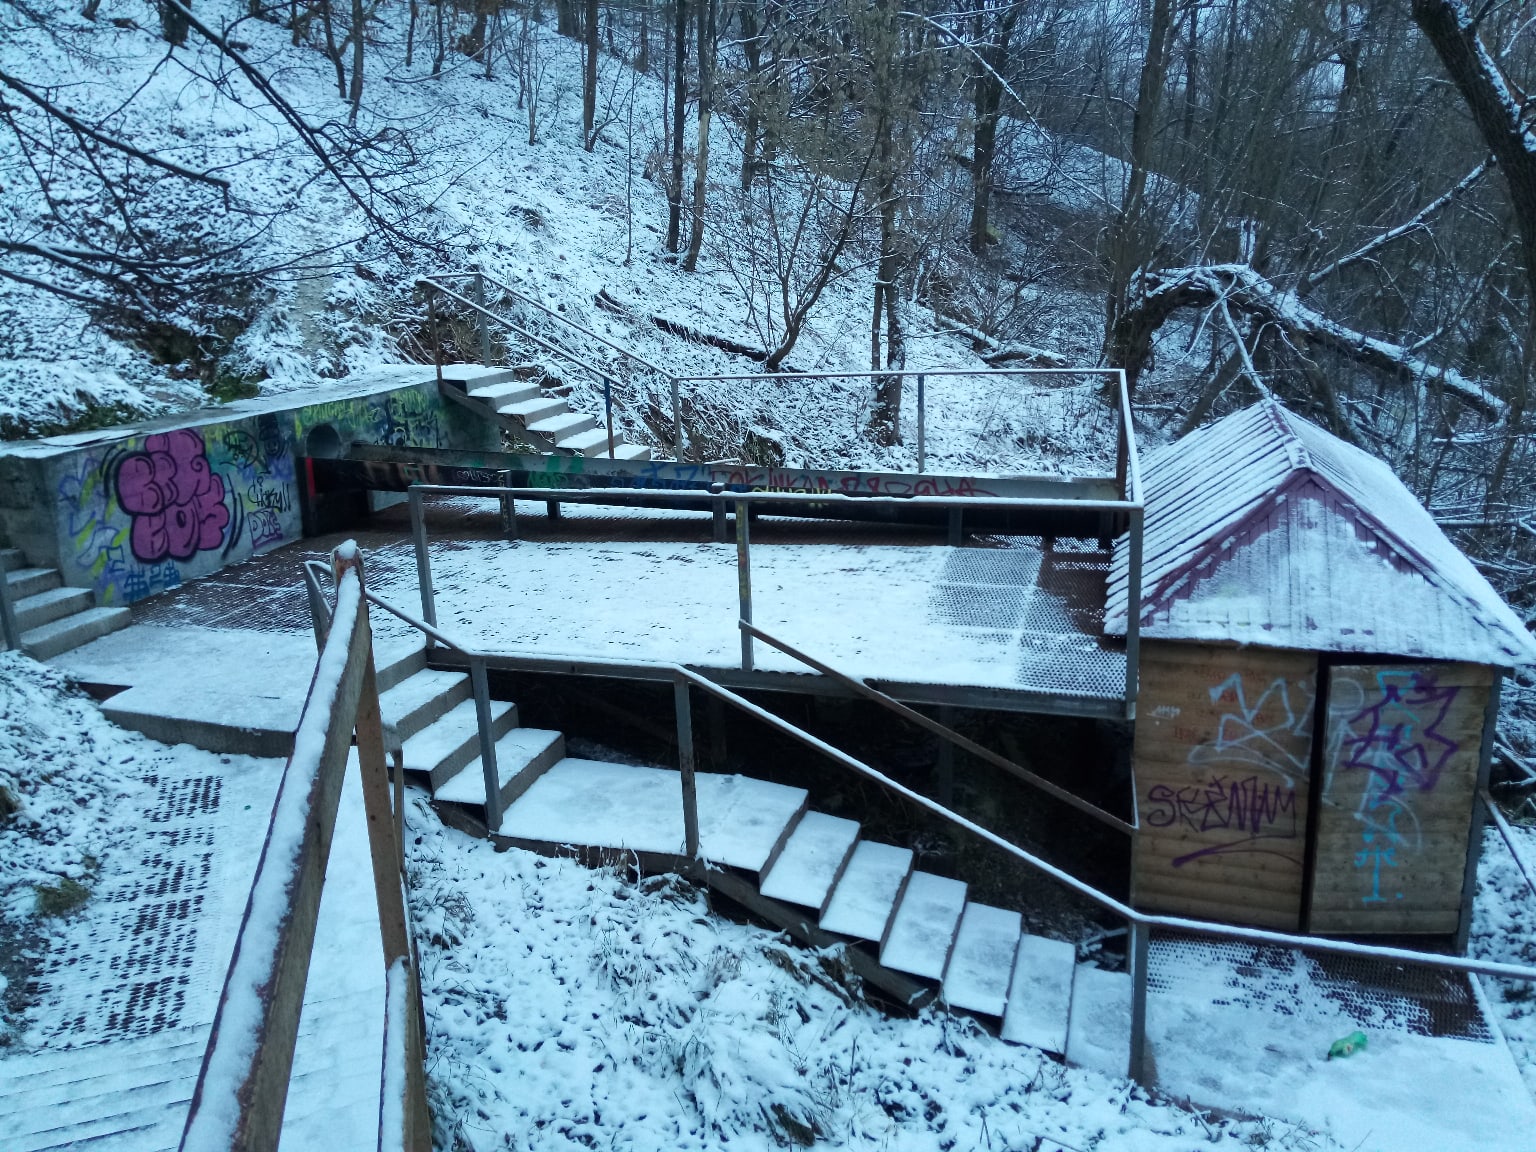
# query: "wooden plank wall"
1222,763
1400,762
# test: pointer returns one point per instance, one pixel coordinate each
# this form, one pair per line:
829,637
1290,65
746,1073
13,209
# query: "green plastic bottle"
1348,1046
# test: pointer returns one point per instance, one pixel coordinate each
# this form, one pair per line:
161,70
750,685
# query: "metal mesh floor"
1051,601
1377,995
139,961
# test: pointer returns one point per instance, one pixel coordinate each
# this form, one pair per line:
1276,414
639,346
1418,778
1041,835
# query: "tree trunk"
679,99
1448,26
589,79
173,25
359,26
643,54
706,34
988,103
1128,240
752,49
566,21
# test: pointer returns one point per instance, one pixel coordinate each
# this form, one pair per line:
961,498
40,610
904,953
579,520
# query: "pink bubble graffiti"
174,496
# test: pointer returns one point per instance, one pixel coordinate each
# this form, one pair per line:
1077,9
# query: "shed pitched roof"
1265,529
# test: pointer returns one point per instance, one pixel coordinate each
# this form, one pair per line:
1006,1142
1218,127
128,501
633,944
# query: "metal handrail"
890,703
1140,924
436,281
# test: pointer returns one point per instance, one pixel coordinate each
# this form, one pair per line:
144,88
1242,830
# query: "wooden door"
1400,755
1223,756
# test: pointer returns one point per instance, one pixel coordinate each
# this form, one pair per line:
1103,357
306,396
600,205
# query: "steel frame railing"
1140,925
242,1086
744,501
1127,469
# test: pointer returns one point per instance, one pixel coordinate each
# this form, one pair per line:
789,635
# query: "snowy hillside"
549,218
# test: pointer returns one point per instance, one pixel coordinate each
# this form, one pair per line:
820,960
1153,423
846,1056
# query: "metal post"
508,507
922,428
677,422
319,611
437,341
485,328
1140,941
423,559
8,614
608,411
744,578
717,489
956,527
1133,612
685,764
482,687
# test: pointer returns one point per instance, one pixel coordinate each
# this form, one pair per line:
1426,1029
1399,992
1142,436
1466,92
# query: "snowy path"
124,1002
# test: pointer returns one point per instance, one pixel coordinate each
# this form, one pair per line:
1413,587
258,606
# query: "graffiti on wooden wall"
1243,798
1388,746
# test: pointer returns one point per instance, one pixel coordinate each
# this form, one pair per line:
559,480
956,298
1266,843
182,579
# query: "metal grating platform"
1377,996
135,966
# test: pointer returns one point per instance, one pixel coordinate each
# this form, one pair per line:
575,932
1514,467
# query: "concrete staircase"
918,934
507,397
50,617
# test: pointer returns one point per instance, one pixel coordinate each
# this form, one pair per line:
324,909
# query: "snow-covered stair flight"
917,924
51,617
505,397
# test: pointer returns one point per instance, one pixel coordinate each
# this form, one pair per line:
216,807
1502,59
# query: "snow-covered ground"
574,1005
553,220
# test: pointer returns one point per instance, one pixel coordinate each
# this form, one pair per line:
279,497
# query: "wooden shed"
1320,671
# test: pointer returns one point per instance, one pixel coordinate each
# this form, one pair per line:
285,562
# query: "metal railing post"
423,559
1140,952
608,411
677,421
1133,611
8,627
717,491
437,340
485,328
744,577
685,763
319,610
482,686
922,424
508,507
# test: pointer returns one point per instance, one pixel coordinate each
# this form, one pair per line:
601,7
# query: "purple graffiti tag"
1254,810
175,498
1401,744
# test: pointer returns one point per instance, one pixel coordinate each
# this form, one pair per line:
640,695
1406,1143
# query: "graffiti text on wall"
1245,798
1396,738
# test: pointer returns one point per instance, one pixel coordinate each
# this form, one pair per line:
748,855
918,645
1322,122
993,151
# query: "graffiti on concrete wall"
143,515
407,417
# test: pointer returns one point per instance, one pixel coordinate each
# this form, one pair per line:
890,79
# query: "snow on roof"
1265,529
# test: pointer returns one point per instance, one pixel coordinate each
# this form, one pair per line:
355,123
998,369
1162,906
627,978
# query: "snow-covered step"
423,698
54,604
396,665
446,745
474,376
922,932
510,392
532,411
563,425
813,858
744,822
522,756
626,452
982,962
24,582
592,442
48,640
28,1071
864,898
12,559
1040,994
1099,1033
